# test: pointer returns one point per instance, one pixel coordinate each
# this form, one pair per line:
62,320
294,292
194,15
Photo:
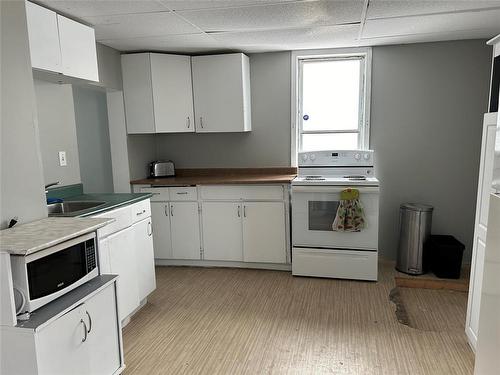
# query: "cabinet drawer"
140,210
183,193
123,219
160,194
244,192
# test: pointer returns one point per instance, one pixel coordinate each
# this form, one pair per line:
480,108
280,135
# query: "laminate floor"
239,321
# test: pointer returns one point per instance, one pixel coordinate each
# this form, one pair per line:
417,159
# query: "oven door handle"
333,189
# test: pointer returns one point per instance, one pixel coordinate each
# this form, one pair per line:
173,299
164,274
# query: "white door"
43,37
264,232
160,215
78,49
144,257
313,212
222,232
101,317
185,230
218,88
62,346
172,93
122,261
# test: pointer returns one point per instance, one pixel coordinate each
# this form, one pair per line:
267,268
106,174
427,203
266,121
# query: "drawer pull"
239,211
90,322
166,210
140,213
182,193
85,331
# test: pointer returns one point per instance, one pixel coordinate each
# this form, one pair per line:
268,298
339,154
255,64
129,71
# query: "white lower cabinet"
85,340
222,231
185,230
160,212
144,257
263,232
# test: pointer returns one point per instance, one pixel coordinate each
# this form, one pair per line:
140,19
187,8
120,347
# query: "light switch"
62,159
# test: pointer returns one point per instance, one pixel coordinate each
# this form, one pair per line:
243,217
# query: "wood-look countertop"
217,176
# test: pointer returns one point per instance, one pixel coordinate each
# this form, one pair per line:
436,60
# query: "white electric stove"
317,249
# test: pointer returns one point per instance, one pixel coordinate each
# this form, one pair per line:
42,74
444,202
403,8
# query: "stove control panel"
341,158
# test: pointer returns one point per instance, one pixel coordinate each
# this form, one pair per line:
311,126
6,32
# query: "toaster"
161,169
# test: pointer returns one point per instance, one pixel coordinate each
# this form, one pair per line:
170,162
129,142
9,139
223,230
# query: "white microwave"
41,277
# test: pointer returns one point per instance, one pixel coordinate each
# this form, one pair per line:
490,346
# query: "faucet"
51,184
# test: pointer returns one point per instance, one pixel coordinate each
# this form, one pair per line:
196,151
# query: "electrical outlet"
62,159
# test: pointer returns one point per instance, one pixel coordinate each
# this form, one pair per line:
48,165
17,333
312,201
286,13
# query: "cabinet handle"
188,122
140,213
171,210
201,122
90,322
239,211
244,211
150,229
166,210
182,193
85,331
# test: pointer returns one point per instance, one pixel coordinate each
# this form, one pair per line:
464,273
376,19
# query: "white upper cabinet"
221,87
158,93
43,38
78,49
61,45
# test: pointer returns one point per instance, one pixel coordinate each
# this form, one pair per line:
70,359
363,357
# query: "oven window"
56,271
322,214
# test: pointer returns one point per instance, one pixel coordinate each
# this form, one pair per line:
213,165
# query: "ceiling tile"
438,23
277,16
390,8
82,8
139,25
211,4
188,43
281,40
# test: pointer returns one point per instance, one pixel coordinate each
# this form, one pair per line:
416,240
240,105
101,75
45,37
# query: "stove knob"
357,156
304,157
312,157
366,156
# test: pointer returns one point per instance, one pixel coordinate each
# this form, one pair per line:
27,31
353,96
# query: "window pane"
329,141
330,95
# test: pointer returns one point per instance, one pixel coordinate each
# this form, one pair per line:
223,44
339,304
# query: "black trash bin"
443,254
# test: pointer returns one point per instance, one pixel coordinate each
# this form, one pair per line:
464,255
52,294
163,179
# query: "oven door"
313,212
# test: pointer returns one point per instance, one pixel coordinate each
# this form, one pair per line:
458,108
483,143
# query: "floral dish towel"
350,215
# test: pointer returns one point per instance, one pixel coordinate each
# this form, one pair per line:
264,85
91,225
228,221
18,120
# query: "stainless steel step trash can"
415,221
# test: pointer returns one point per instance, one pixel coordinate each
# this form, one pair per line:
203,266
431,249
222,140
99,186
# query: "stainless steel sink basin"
71,207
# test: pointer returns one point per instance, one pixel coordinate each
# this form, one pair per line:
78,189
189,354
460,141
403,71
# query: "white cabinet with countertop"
221,89
158,93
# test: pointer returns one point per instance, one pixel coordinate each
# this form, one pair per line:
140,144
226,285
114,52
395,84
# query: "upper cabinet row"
172,93
61,45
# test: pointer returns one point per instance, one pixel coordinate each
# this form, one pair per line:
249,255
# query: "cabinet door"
221,88
78,49
185,230
144,257
137,93
62,347
101,317
43,38
264,237
172,93
123,263
162,242
222,233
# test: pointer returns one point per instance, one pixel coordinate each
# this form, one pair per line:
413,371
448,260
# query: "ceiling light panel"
83,8
277,16
389,8
140,25
212,4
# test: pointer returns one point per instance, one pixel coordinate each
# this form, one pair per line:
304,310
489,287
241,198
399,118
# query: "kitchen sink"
71,207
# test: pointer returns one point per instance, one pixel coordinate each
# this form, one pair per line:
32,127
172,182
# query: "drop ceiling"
201,26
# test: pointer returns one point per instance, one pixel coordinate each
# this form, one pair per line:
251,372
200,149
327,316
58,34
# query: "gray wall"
110,68
92,132
56,120
21,180
141,151
428,102
267,145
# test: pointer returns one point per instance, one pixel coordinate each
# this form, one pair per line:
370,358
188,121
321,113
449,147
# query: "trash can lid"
417,207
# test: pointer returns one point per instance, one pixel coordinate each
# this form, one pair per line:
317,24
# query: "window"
331,100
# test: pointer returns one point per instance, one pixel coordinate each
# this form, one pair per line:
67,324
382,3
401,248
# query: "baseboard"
215,263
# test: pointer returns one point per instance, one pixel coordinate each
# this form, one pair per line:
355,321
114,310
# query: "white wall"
21,182
56,118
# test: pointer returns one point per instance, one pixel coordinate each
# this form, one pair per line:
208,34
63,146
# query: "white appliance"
41,277
318,250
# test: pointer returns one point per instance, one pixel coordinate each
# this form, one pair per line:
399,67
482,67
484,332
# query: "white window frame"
297,57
